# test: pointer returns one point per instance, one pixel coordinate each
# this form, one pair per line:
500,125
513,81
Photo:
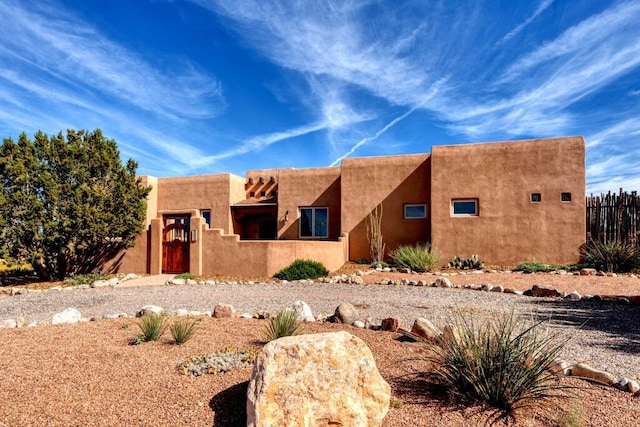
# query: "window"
565,197
206,214
415,211
263,193
314,222
536,197
464,207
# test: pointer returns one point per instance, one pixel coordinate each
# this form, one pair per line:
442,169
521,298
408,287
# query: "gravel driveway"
609,340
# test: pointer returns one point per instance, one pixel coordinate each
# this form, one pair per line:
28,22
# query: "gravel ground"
604,334
88,374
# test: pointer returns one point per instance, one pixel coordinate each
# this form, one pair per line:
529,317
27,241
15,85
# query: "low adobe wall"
227,255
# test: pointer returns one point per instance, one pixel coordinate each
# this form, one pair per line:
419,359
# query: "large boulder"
317,380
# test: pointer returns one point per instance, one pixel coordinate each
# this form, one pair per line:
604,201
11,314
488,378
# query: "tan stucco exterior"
255,220
510,228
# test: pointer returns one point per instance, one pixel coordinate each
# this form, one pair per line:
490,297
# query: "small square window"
263,193
252,194
536,197
274,193
415,211
565,197
464,207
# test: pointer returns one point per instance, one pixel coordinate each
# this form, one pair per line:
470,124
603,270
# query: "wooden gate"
175,246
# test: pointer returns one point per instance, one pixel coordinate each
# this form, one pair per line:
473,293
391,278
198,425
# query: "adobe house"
508,202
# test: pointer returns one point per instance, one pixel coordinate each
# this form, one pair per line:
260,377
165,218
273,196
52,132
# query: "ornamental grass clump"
615,256
182,330
418,258
283,324
152,327
503,362
302,269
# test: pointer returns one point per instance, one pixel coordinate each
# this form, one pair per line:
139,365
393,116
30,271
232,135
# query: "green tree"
67,204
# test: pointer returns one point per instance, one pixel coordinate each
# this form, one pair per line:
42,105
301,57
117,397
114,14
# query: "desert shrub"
219,362
539,267
472,263
186,276
283,324
380,264
152,327
182,330
616,256
302,269
415,257
85,279
362,261
503,362
374,234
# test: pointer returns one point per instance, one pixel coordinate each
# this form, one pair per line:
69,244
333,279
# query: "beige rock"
224,311
423,328
588,272
561,368
442,282
633,386
587,372
317,380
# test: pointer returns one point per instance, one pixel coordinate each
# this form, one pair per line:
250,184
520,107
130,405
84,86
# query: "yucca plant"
502,362
152,327
415,257
283,324
182,330
615,256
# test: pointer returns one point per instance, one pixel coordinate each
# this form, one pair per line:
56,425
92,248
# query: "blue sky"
206,86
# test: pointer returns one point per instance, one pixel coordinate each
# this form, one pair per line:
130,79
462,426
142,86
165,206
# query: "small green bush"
152,327
186,276
417,257
362,261
538,267
472,263
283,324
85,279
616,256
302,269
182,330
502,362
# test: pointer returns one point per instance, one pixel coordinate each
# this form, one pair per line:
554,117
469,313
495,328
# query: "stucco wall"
225,254
214,192
392,181
319,187
510,228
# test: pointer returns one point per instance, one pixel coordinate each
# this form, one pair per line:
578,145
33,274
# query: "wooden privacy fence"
612,217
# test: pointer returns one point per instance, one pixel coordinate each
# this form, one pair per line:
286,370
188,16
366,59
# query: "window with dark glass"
206,214
314,222
464,207
536,197
415,211
565,197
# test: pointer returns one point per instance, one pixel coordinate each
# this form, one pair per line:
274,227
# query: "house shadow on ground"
620,321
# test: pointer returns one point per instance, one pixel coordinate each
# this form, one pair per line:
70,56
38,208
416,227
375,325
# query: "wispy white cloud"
77,59
511,34
375,136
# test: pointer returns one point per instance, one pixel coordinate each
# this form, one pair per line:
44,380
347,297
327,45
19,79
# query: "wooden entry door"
175,247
